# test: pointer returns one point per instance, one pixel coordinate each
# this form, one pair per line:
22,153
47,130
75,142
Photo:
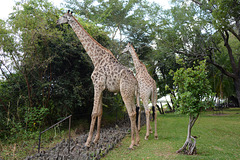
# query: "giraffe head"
127,48
65,18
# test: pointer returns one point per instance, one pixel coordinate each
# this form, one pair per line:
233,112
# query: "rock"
109,137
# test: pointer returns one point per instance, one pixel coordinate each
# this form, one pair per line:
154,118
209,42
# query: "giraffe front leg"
87,144
95,113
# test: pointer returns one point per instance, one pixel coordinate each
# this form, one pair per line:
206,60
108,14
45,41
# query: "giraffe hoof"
131,146
87,145
146,138
156,137
95,141
136,144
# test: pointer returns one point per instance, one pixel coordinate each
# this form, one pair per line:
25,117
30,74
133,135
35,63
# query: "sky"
6,6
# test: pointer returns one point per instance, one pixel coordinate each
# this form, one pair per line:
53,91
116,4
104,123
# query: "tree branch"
239,65
222,69
200,5
5,67
195,56
226,44
234,33
194,120
3,73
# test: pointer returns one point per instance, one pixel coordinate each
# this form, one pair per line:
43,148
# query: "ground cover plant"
218,138
28,146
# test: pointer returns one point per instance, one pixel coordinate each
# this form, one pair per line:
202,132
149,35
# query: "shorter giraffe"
147,88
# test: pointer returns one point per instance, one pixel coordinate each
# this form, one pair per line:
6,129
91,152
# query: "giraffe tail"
138,103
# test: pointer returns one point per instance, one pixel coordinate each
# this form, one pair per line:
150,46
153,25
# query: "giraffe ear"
68,11
71,12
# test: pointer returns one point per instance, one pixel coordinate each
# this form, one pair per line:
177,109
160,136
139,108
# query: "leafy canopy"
193,89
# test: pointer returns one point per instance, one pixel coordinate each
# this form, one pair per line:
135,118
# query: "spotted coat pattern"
108,74
147,88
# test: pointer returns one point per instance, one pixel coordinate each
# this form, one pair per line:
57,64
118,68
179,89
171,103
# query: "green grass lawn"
218,138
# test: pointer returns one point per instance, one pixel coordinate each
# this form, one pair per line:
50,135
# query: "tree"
49,72
123,20
193,96
202,27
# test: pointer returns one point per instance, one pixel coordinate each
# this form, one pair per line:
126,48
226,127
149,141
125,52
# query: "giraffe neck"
135,58
94,50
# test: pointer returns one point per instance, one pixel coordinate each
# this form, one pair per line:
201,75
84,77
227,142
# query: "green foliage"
225,13
193,89
210,30
34,117
52,72
46,72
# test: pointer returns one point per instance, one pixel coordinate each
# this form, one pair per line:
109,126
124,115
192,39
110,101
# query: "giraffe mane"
94,39
138,57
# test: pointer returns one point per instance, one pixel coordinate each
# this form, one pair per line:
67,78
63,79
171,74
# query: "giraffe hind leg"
154,102
147,112
99,116
127,90
155,124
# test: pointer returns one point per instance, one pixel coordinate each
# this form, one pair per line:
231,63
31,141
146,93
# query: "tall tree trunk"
189,146
4,106
170,108
237,88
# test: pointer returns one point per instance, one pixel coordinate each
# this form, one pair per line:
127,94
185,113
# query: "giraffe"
147,88
108,74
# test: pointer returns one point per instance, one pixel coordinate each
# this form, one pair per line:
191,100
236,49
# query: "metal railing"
69,126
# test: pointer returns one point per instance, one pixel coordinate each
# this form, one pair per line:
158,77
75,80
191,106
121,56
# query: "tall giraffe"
108,74
147,88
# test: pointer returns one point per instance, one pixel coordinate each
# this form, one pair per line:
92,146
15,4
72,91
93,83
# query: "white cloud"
6,8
